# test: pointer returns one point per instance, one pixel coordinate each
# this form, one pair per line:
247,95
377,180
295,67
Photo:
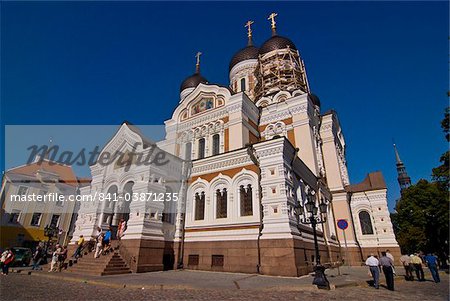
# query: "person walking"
406,262
98,245
37,257
417,264
389,255
6,259
386,264
107,241
54,261
121,229
373,265
62,258
431,261
79,247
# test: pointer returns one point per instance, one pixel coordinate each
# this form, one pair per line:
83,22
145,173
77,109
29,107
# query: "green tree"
422,219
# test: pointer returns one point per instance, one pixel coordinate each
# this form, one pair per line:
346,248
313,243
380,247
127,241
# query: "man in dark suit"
387,265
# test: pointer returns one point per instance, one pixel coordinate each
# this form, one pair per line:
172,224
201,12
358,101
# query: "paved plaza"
196,285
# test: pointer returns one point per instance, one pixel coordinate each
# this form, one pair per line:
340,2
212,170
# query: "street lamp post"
312,215
49,231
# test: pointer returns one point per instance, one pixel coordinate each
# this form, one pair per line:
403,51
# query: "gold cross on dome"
198,57
272,18
249,27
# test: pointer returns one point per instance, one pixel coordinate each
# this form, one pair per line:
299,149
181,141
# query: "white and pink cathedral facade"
241,159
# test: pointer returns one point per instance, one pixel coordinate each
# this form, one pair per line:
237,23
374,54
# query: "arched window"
242,84
366,223
201,148
188,151
246,196
216,144
111,195
200,206
221,203
128,196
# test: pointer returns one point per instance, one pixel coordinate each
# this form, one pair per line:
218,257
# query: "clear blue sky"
382,66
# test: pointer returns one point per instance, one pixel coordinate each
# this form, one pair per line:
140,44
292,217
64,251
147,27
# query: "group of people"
411,263
59,255
102,240
7,258
415,261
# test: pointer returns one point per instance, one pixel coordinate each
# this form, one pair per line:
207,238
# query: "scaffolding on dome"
282,71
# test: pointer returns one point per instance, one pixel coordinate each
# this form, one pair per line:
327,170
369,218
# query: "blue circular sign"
342,224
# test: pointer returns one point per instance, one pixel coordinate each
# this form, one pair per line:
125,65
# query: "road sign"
342,224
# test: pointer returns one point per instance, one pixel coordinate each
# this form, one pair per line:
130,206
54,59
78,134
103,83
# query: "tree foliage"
445,123
421,221
441,173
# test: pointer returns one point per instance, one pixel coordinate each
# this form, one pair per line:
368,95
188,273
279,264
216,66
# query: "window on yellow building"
36,219
55,220
14,217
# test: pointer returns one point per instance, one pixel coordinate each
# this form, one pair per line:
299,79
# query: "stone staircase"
110,264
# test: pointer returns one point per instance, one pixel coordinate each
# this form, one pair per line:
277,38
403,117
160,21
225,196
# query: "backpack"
10,259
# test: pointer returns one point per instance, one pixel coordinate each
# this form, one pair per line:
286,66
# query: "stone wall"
279,257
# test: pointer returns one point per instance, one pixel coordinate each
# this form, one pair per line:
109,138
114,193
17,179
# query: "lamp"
309,206
323,207
314,219
315,209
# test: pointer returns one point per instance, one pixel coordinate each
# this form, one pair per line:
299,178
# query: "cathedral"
244,159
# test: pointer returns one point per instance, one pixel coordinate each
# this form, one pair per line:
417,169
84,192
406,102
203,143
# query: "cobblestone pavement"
41,287
196,279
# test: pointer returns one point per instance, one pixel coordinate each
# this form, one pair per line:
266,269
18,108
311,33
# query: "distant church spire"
47,154
403,179
273,23
197,65
249,32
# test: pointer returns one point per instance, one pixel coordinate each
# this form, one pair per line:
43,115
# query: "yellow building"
34,196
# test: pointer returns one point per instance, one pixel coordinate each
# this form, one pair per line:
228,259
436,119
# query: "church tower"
280,67
243,65
403,179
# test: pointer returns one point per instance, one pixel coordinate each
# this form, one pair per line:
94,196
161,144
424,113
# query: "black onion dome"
247,53
315,99
193,81
275,43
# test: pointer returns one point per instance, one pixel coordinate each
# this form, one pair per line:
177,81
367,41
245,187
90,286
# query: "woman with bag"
7,258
